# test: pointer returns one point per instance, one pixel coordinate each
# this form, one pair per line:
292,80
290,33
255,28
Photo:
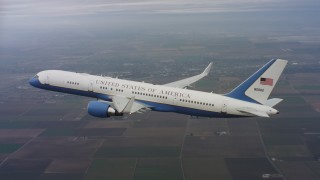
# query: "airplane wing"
127,105
253,112
188,81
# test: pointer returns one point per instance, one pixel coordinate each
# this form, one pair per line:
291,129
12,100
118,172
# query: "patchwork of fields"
49,136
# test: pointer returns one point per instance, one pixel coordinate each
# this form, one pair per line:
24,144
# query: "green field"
48,135
314,166
293,100
16,125
9,148
249,168
308,87
158,169
111,169
206,169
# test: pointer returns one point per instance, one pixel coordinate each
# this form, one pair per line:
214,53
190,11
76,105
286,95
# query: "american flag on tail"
266,81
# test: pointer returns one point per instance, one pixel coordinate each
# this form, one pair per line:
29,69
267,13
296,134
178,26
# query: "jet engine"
102,109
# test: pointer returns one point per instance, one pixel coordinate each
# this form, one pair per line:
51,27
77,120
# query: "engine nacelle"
101,109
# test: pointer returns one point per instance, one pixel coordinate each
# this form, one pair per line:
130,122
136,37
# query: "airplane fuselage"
156,97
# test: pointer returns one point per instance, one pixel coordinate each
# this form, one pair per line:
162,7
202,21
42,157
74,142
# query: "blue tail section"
239,91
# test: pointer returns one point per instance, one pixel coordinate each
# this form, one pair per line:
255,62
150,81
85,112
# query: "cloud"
43,8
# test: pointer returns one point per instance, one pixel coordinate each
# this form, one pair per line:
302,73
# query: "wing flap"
127,105
120,102
136,106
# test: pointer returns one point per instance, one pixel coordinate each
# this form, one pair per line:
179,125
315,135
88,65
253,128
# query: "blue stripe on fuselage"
153,105
185,110
36,83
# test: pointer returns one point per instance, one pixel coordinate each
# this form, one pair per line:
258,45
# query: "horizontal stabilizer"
253,112
272,102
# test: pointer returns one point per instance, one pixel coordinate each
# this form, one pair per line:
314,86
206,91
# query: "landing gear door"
224,107
175,101
47,79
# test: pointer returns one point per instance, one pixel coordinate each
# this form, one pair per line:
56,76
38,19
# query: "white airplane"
116,97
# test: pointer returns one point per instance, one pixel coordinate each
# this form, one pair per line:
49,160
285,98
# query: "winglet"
207,70
186,82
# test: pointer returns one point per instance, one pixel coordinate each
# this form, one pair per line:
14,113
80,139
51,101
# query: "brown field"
141,141
12,110
222,146
206,127
109,124
112,168
59,147
20,133
46,135
206,169
3,157
314,101
158,120
155,132
284,151
24,165
68,166
158,168
61,176
249,168
245,127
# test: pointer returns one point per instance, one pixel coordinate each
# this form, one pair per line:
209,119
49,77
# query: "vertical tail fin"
258,86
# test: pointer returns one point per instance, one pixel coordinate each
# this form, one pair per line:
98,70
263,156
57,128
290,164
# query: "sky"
27,17
31,29
34,8
40,11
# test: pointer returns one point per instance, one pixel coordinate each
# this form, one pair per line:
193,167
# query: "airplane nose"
34,82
